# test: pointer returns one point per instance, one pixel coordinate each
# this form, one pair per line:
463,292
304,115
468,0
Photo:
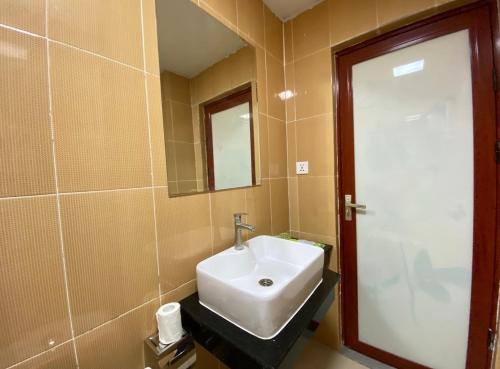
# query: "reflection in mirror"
209,100
229,141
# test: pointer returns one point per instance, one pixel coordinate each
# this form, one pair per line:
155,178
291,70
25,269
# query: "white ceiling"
190,40
288,9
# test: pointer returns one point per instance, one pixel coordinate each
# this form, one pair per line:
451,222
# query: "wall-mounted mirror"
209,99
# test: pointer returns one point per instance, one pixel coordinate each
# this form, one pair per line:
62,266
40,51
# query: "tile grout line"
314,234
93,329
56,182
286,126
5,26
178,288
19,30
22,197
317,51
267,111
295,116
171,111
39,354
148,113
107,322
312,116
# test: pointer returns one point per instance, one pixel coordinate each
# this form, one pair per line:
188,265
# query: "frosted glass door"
414,153
232,147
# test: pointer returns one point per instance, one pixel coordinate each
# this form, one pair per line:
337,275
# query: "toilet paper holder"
177,355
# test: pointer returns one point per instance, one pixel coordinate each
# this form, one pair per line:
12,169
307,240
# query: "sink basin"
260,288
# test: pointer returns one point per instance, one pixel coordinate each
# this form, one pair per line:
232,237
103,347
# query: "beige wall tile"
291,146
150,37
103,143
242,67
28,15
288,42
259,208
168,127
264,145
110,245
317,205
173,189
179,293
118,344
221,76
182,122
392,10
223,205
261,79
111,28
178,88
311,31
171,163
189,186
274,33
275,85
316,144
251,19
290,86
223,8
157,135
25,146
293,196
62,357
100,119
313,85
184,159
184,236
33,303
279,206
202,88
344,25
277,148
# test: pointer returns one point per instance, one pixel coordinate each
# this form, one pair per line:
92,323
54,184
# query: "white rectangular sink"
228,283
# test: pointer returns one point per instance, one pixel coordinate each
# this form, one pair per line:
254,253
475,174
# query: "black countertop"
239,349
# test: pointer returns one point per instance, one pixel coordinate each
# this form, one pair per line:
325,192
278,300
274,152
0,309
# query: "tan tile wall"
178,133
90,242
309,115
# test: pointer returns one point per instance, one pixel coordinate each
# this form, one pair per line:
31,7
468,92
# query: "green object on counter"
288,236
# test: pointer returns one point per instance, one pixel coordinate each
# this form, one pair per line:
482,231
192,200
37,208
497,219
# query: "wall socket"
302,167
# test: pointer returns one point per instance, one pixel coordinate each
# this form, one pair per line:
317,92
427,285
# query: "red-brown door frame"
476,17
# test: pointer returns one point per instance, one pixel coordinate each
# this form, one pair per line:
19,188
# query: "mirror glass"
209,100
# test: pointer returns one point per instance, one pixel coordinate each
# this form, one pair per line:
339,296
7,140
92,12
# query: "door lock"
349,205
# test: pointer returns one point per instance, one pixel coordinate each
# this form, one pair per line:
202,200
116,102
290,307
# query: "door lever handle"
349,205
355,206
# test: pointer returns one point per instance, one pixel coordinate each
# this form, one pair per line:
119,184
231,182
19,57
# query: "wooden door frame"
478,355
227,102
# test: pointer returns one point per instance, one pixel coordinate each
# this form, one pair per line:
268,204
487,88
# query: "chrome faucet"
238,226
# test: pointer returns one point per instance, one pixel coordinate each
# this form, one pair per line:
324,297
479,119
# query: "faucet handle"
237,216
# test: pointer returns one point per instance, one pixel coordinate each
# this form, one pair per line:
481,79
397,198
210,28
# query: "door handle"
349,205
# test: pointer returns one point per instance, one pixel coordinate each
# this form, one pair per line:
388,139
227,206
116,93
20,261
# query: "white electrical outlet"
302,167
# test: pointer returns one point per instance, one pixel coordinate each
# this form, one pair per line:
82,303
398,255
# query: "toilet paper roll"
168,317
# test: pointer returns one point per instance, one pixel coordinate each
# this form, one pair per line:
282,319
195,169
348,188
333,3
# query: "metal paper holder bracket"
177,355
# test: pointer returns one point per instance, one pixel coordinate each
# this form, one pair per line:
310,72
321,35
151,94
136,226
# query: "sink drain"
266,282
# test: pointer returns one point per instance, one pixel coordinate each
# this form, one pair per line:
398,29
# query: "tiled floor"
318,356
